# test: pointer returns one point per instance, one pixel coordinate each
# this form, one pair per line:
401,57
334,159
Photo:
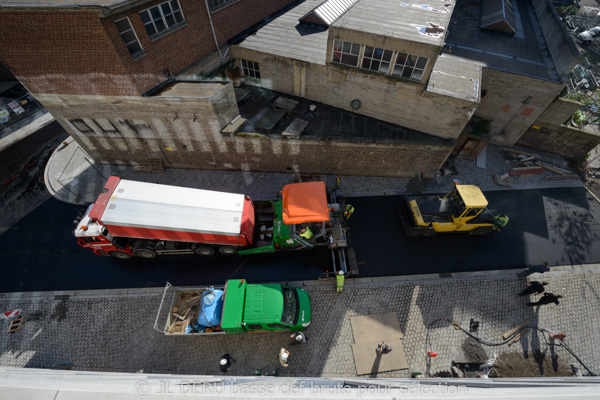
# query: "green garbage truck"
236,307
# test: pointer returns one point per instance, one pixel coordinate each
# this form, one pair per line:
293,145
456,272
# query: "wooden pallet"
16,324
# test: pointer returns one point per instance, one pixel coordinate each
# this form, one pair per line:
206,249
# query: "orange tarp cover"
304,202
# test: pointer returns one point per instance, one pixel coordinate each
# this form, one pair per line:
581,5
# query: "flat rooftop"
202,90
455,76
416,21
525,53
285,37
325,121
422,21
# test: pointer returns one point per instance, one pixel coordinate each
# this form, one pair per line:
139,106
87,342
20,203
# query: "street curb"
380,281
37,123
592,194
48,181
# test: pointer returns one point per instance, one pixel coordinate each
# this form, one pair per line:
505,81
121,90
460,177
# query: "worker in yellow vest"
339,281
306,233
500,222
349,210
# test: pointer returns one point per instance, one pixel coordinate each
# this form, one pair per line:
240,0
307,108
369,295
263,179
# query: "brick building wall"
553,132
182,132
566,141
513,103
60,51
382,97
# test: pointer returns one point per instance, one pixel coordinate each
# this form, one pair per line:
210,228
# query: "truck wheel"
145,253
204,250
121,255
227,250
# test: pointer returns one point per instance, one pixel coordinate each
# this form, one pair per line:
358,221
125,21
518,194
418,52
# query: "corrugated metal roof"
284,37
415,21
149,205
498,11
330,10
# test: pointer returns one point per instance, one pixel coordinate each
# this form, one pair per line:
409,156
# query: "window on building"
162,18
129,37
409,67
377,59
216,4
250,69
346,53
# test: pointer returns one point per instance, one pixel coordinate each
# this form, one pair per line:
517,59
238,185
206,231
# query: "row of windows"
379,60
157,20
162,18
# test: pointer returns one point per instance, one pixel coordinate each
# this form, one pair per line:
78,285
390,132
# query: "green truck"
234,308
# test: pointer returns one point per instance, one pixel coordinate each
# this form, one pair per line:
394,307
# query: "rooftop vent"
327,12
498,15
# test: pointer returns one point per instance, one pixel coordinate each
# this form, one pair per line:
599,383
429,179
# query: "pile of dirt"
514,365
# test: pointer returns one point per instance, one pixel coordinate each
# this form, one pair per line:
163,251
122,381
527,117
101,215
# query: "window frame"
413,67
152,20
224,3
137,39
363,57
372,59
246,69
343,53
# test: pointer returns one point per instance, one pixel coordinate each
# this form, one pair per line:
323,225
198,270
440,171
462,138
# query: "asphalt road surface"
41,253
558,225
561,226
38,251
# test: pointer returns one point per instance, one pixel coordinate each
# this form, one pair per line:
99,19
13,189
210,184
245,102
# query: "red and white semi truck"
145,220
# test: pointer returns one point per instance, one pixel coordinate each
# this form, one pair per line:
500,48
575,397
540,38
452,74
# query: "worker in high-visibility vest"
500,222
306,233
339,281
349,210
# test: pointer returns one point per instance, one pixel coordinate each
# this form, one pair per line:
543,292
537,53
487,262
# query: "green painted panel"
233,307
264,304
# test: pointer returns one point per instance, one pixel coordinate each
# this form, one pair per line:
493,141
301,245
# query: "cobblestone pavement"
112,330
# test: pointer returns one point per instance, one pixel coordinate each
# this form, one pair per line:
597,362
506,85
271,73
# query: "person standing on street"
534,287
547,298
339,281
543,267
500,222
299,337
226,362
283,357
348,211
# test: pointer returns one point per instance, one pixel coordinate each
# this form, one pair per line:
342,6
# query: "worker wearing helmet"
339,281
500,222
348,211
226,362
306,233
283,357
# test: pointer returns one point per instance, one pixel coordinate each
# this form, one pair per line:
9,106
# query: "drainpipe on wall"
213,30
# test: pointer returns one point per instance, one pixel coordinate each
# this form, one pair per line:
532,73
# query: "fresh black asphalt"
555,225
560,226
